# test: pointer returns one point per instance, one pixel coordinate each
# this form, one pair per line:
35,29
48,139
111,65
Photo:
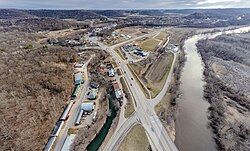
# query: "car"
130,84
132,79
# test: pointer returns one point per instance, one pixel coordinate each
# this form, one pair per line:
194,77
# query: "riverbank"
227,88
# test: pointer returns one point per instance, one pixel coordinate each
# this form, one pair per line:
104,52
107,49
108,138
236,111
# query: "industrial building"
88,106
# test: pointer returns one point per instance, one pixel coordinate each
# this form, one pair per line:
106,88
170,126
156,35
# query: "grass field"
136,140
129,109
157,81
162,36
149,44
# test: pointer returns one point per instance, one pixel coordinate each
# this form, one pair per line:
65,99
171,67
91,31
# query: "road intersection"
144,108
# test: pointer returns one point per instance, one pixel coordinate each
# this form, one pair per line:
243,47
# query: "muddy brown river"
192,131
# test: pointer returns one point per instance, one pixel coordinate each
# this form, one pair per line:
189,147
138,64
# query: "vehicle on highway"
130,84
132,79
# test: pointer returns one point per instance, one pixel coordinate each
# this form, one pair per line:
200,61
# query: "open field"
149,44
129,109
136,140
123,34
154,74
162,35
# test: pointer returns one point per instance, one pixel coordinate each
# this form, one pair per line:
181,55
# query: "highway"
144,111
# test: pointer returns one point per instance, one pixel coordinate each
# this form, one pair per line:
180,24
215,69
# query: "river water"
97,141
192,131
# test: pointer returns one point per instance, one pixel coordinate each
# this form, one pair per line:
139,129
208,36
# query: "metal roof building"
87,106
78,78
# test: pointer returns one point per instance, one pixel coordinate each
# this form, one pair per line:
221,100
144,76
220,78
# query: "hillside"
35,84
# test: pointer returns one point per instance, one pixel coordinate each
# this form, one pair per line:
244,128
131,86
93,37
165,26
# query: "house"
111,72
78,78
118,94
88,106
118,91
92,94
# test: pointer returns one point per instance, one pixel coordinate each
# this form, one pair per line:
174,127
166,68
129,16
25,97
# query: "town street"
144,109
70,122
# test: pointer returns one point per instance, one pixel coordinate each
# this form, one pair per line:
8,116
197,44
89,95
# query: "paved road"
70,122
144,112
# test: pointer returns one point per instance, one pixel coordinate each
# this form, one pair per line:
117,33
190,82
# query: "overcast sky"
122,4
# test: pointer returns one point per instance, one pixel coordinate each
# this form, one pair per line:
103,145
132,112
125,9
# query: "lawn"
136,140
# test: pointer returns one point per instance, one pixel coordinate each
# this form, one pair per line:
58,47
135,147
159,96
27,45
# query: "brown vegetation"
35,85
136,140
227,88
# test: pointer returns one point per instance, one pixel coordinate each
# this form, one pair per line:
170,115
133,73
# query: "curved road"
144,112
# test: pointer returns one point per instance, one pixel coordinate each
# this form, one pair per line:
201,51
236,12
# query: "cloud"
120,4
217,1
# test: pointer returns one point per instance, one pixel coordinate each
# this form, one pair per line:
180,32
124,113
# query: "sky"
123,4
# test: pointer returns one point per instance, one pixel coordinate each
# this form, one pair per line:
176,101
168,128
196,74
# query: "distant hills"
102,14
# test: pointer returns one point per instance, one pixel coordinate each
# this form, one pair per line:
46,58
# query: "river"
192,131
97,141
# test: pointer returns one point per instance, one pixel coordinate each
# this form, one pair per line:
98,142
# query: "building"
118,94
88,106
92,94
111,72
128,48
140,53
118,91
78,78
